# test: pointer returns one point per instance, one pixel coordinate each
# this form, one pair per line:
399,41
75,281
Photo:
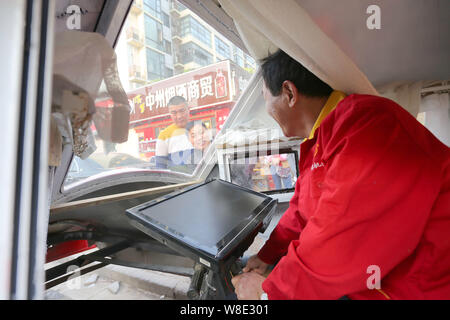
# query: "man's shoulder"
352,111
375,115
170,131
368,104
362,110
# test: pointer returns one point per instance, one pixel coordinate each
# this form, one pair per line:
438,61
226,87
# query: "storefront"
211,93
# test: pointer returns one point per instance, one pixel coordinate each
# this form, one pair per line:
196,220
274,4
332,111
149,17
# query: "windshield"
166,51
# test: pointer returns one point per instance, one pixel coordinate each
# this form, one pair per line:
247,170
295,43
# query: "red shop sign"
201,88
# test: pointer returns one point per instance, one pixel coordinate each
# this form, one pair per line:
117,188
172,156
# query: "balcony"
137,7
136,74
176,34
135,37
177,63
177,39
176,8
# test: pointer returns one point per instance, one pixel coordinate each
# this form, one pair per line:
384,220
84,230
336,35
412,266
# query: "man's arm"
376,197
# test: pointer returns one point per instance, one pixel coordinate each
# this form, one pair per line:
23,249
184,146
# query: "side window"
266,173
434,112
165,50
253,151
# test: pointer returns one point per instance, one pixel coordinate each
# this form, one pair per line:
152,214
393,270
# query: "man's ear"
290,93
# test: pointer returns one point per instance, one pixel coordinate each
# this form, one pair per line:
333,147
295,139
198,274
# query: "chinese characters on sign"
204,87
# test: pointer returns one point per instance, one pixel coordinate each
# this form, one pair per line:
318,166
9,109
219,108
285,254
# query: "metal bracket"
60,274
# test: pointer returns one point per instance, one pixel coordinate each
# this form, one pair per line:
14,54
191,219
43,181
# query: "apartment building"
144,51
163,38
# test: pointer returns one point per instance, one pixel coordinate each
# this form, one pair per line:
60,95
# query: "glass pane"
153,33
165,50
434,113
265,173
222,48
153,7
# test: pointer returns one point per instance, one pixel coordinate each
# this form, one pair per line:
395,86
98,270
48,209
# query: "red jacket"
373,190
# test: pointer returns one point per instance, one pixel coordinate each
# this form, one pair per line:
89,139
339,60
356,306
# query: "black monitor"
208,222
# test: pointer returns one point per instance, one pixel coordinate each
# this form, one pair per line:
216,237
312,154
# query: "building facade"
162,38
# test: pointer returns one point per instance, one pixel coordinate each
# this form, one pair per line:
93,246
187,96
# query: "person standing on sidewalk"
173,145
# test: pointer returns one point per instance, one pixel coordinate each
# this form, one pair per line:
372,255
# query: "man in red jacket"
370,216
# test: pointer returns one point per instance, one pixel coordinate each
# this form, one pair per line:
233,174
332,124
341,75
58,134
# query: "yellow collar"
334,98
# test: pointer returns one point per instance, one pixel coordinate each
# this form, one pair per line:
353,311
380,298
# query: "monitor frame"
269,152
232,245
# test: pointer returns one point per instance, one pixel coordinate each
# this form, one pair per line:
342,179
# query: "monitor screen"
205,215
265,173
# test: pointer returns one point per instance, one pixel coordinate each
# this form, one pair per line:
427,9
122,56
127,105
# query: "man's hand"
248,286
255,264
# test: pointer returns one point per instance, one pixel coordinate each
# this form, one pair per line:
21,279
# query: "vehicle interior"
91,61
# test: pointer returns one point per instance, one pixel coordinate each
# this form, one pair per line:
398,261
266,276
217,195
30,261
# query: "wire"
228,285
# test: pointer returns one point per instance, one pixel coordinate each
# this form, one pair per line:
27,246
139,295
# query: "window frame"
161,64
192,55
191,26
154,11
218,43
288,149
149,41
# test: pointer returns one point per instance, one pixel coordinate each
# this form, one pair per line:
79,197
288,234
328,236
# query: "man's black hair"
177,100
278,67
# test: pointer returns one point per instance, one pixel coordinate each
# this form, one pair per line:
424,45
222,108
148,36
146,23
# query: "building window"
185,26
179,6
133,56
238,57
166,20
153,33
169,72
153,7
155,65
222,48
250,62
190,52
190,26
167,47
239,61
